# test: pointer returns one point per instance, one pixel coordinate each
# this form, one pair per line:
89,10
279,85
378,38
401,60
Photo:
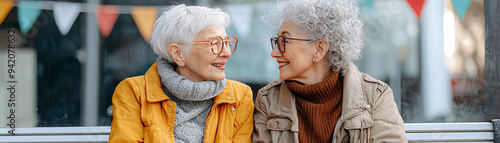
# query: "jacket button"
152,96
229,98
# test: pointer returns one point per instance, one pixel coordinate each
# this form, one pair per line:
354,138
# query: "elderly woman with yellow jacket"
321,97
184,96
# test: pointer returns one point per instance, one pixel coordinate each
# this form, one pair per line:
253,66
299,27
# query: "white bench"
97,134
416,132
450,132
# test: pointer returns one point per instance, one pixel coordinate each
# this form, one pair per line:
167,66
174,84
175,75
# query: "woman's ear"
322,47
175,52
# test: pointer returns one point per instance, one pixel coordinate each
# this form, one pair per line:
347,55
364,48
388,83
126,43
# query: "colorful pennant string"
144,18
106,18
417,6
28,12
65,15
5,7
461,7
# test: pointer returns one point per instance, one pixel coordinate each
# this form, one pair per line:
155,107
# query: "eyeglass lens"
218,44
280,42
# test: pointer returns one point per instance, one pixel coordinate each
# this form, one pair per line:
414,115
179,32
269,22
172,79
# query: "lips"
220,65
282,64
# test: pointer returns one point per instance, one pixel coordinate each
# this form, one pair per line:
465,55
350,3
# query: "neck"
185,72
318,72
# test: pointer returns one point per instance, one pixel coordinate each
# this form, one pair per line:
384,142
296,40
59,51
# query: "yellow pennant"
5,7
144,17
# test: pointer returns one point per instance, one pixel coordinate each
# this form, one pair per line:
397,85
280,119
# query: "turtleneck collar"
319,92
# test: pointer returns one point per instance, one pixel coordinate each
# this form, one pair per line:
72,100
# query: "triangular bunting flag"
65,15
5,7
461,7
417,6
241,17
144,18
106,18
28,12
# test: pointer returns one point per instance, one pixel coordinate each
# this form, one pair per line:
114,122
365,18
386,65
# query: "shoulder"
375,90
272,85
369,81
241,91
131,82
368,84
130,86
236,84
372,88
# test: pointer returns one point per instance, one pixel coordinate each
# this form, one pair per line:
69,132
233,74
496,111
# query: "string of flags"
65,14
460,7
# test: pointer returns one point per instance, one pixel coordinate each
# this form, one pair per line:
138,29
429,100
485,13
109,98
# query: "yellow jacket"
143,113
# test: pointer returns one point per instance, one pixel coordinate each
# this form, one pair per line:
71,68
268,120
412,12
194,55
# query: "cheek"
203,63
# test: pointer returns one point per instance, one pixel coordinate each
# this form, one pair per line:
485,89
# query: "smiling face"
296,63
201,63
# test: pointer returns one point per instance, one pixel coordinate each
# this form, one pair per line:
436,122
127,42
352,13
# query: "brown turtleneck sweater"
319,107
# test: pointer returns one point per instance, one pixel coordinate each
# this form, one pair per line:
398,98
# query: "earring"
314,60
181,64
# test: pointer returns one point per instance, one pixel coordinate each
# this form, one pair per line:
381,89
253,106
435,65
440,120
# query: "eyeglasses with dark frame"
280,41
217,44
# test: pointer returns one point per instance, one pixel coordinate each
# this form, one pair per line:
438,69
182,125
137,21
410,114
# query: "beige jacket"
369,113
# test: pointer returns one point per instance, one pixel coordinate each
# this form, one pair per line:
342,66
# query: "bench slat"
416,132
449,127
88,130
56,139
450,137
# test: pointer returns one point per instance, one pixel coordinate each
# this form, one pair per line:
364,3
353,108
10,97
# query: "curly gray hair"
336,21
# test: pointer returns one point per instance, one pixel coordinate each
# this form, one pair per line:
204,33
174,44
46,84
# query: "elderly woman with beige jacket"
321,97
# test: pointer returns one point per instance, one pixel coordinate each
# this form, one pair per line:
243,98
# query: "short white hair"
181,24
336,21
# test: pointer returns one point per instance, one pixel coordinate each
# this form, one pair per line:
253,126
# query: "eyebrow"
218,36
285,32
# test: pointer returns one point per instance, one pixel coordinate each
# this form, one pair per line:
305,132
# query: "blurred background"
71,54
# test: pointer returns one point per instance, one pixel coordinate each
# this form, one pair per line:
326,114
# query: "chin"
219,77
283,77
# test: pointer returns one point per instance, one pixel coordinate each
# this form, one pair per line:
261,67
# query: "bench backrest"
96,134
416,132
450,132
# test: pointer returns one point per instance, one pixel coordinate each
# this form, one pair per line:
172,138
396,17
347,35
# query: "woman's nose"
276,53
226,51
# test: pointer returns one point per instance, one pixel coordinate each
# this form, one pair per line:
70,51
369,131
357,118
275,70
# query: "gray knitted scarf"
185,89
193,100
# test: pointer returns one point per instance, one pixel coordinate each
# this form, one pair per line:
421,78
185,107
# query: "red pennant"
106,18
417,6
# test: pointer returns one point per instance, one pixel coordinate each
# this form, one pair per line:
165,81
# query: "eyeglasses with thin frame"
280,41
217,44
